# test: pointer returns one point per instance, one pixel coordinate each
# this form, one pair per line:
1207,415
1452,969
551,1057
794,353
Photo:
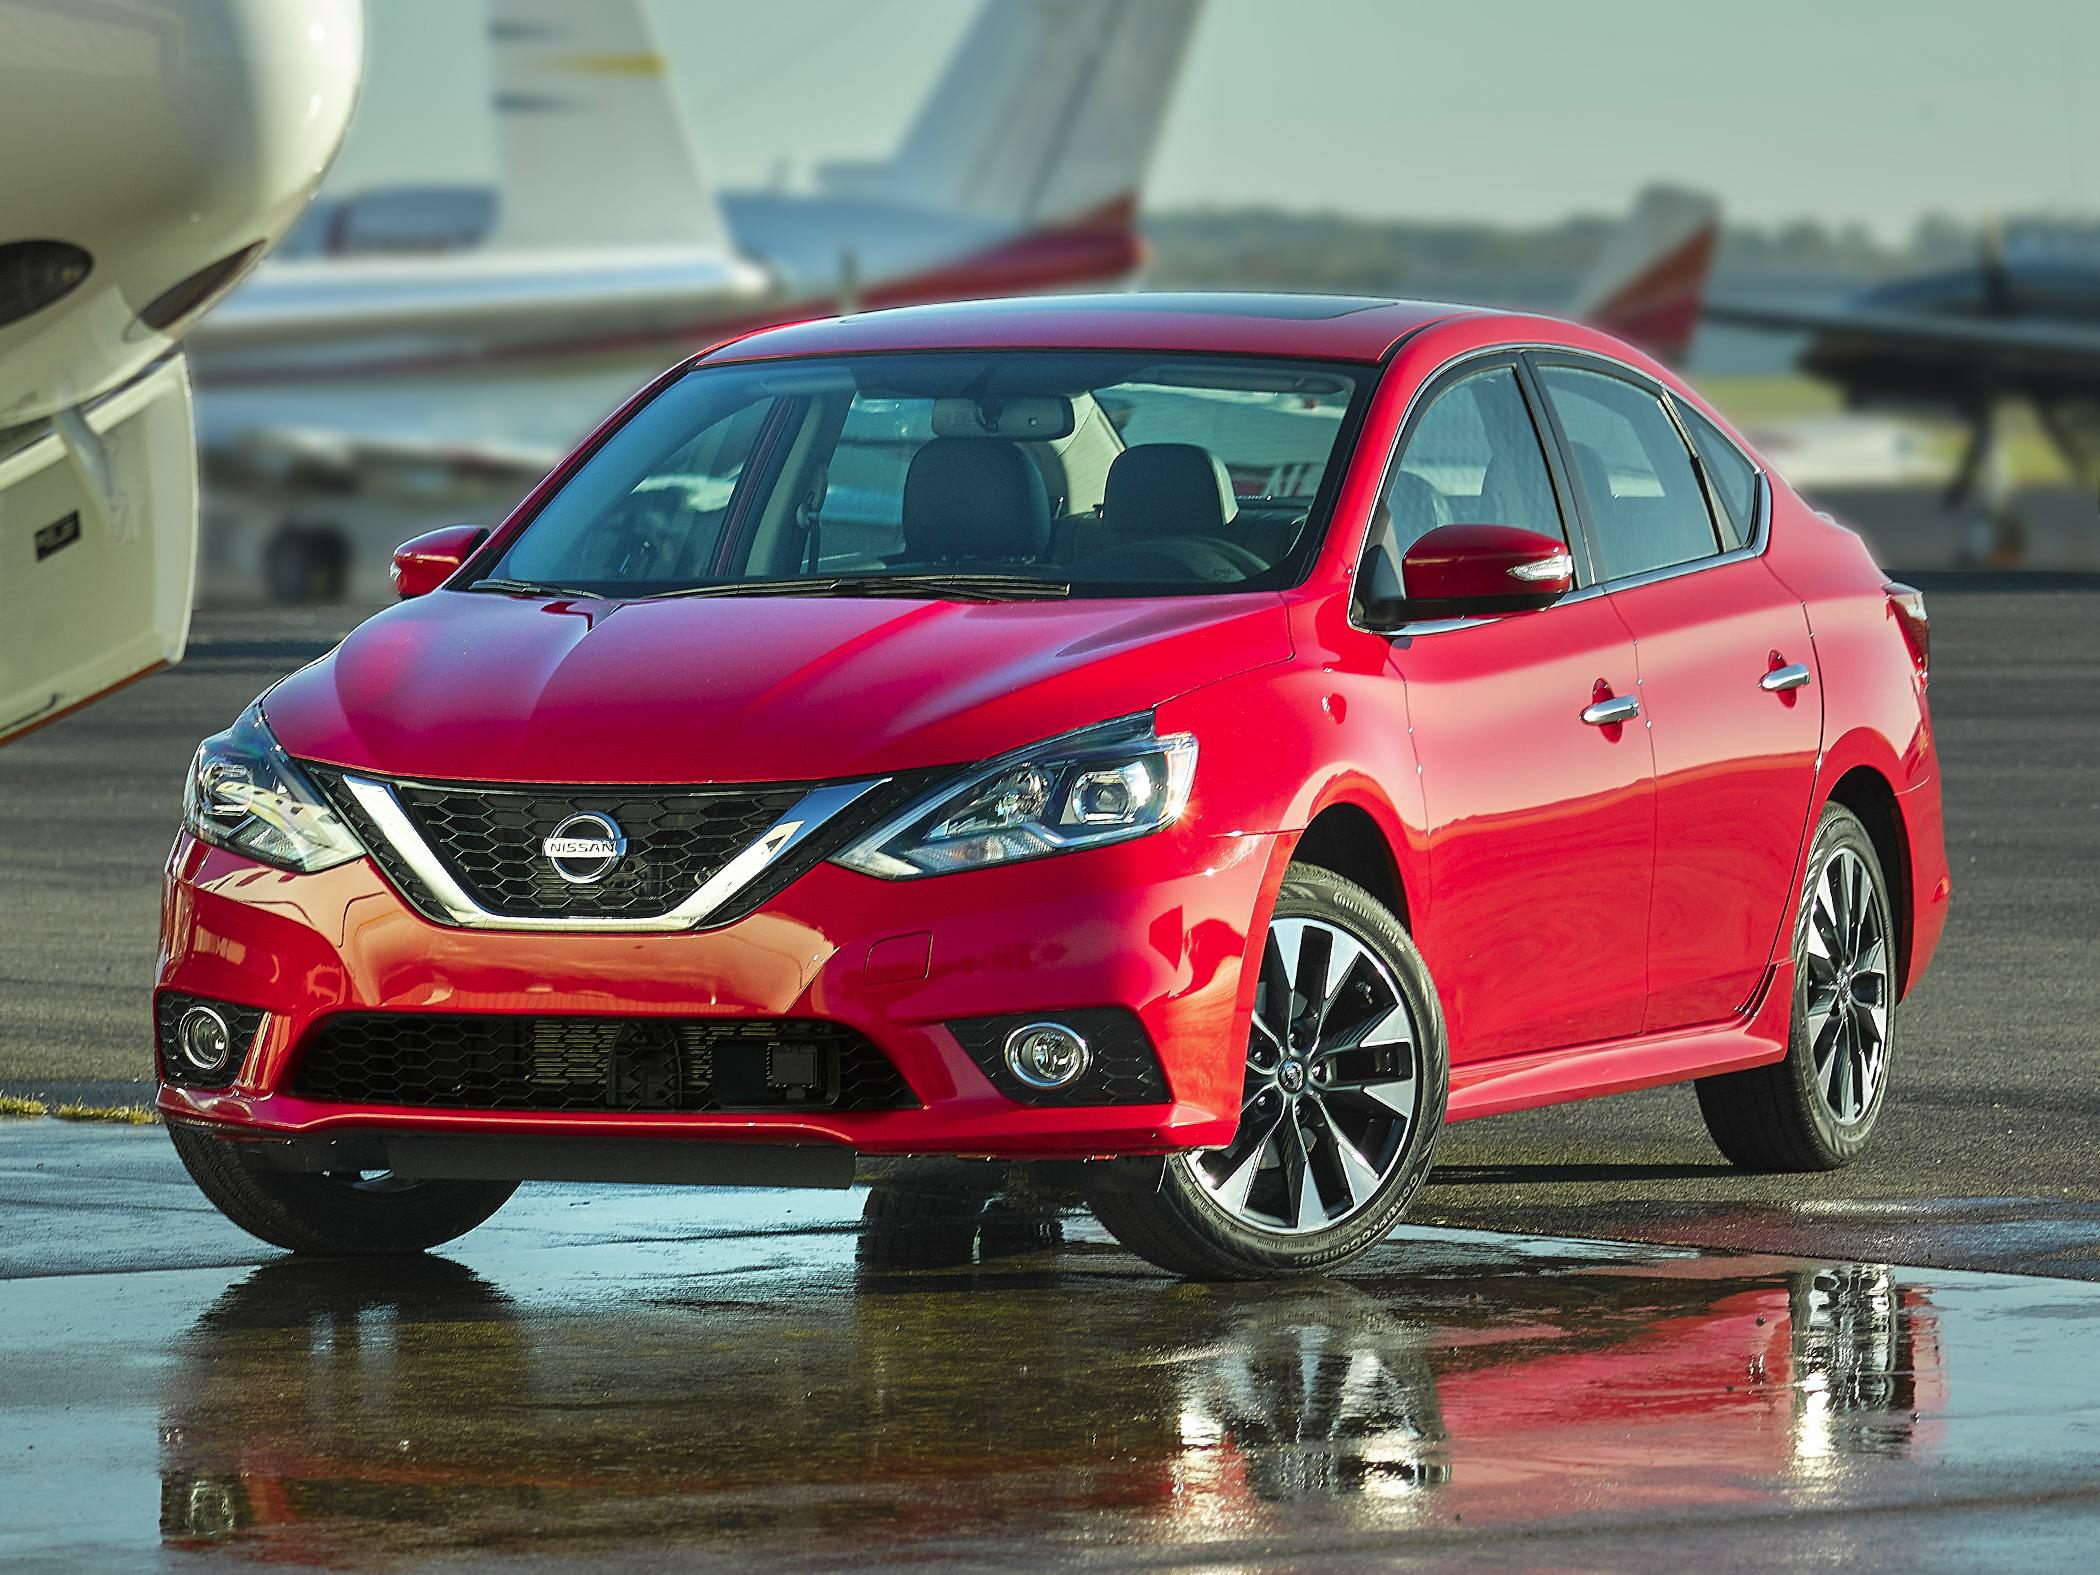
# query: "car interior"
1168,477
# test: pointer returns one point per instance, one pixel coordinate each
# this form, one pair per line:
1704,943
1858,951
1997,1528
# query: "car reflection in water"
969,1376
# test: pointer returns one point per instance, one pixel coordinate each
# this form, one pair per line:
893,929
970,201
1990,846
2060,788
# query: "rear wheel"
1816,1109
338,1214
1341,1103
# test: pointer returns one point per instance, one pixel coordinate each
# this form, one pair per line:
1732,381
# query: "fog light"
205,1041
1046,1055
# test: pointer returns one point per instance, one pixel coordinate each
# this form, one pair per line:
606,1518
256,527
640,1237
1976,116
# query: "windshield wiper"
957,587
535,588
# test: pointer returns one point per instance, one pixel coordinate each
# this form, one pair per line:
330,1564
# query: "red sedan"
1195,744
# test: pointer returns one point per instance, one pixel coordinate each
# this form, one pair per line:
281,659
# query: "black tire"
1783,1117
1186,1230
332,1215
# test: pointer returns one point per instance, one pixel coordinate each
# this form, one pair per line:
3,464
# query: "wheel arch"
1869,794
1353,830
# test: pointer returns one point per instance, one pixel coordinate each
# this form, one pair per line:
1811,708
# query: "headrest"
1168,489
974,498
1514,493
1595,474
1418,509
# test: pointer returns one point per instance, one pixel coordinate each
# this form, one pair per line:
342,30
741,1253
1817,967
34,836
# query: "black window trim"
1760,529
1716,505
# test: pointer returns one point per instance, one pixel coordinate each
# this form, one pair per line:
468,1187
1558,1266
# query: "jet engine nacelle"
156,150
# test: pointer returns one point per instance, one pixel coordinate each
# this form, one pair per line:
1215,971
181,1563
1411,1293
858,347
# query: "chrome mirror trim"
813,809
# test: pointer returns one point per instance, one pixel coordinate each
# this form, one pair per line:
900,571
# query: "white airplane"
456,379
156,150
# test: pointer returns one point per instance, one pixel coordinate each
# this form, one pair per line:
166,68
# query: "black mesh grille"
244,1021
595,1063
489,838
1123,1071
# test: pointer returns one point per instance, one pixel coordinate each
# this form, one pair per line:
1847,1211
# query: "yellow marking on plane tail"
643,65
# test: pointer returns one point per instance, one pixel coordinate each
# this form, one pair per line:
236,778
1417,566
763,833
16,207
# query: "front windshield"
1003,473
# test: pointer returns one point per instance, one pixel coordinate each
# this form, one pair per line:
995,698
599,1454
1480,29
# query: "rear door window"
1646,507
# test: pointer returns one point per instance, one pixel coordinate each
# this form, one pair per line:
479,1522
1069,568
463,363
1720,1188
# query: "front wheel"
339,1214
1816,1109
1341,1103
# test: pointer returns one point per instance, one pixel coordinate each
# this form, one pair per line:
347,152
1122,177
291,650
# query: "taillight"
1907,602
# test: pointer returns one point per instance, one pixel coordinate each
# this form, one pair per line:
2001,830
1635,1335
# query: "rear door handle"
1792,676
1610,713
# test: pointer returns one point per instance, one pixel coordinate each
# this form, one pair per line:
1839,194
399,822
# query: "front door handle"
1612,712
1779,679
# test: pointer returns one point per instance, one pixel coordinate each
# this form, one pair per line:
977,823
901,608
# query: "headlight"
1102,784
245,794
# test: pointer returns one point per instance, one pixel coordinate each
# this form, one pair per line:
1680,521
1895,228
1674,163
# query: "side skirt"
1619,1066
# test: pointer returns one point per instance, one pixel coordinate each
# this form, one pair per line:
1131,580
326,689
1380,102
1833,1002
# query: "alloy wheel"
1332,1093
1848,993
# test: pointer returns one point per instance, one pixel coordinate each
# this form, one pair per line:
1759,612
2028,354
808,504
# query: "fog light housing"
1047,1055
204,1040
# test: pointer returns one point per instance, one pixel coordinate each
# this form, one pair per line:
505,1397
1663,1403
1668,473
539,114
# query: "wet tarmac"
696,1379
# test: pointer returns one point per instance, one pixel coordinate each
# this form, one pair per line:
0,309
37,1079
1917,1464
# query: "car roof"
1319,327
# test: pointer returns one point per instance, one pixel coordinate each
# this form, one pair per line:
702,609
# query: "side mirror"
1459,571
422,565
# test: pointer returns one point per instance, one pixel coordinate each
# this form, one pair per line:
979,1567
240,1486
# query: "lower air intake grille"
1123,1069
242,1022
595,1063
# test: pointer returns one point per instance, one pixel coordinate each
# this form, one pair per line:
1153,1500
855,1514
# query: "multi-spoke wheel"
1815,1109
1846,962
338,1213
1341,1101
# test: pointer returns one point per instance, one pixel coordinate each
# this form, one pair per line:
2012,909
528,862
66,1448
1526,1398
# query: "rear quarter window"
1732,477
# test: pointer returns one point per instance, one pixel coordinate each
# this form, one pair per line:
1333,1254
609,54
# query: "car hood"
490,688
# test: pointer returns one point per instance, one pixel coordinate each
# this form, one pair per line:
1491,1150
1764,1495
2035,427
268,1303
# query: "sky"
1516,111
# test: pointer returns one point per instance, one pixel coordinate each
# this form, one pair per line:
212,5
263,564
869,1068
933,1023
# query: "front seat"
974,498
1165,509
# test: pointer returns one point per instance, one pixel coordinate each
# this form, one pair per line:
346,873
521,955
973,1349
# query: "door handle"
1612,712
1780,679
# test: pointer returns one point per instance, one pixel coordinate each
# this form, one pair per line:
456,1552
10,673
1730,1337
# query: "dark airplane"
2023,323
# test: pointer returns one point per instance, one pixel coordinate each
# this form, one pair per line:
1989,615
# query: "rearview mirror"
1032,418
428,561
1461,571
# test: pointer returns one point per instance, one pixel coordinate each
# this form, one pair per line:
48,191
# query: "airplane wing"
482,302
1989,338
279,456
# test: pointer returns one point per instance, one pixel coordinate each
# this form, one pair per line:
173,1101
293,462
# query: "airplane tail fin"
1649,283
1048,112
595,147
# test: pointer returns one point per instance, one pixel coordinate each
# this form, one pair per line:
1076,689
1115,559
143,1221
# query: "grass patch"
16,1105
124,1115
1758,398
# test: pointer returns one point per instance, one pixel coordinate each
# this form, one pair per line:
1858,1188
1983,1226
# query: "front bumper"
1159,927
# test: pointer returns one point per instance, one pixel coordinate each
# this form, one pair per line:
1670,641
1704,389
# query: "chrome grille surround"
379,812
